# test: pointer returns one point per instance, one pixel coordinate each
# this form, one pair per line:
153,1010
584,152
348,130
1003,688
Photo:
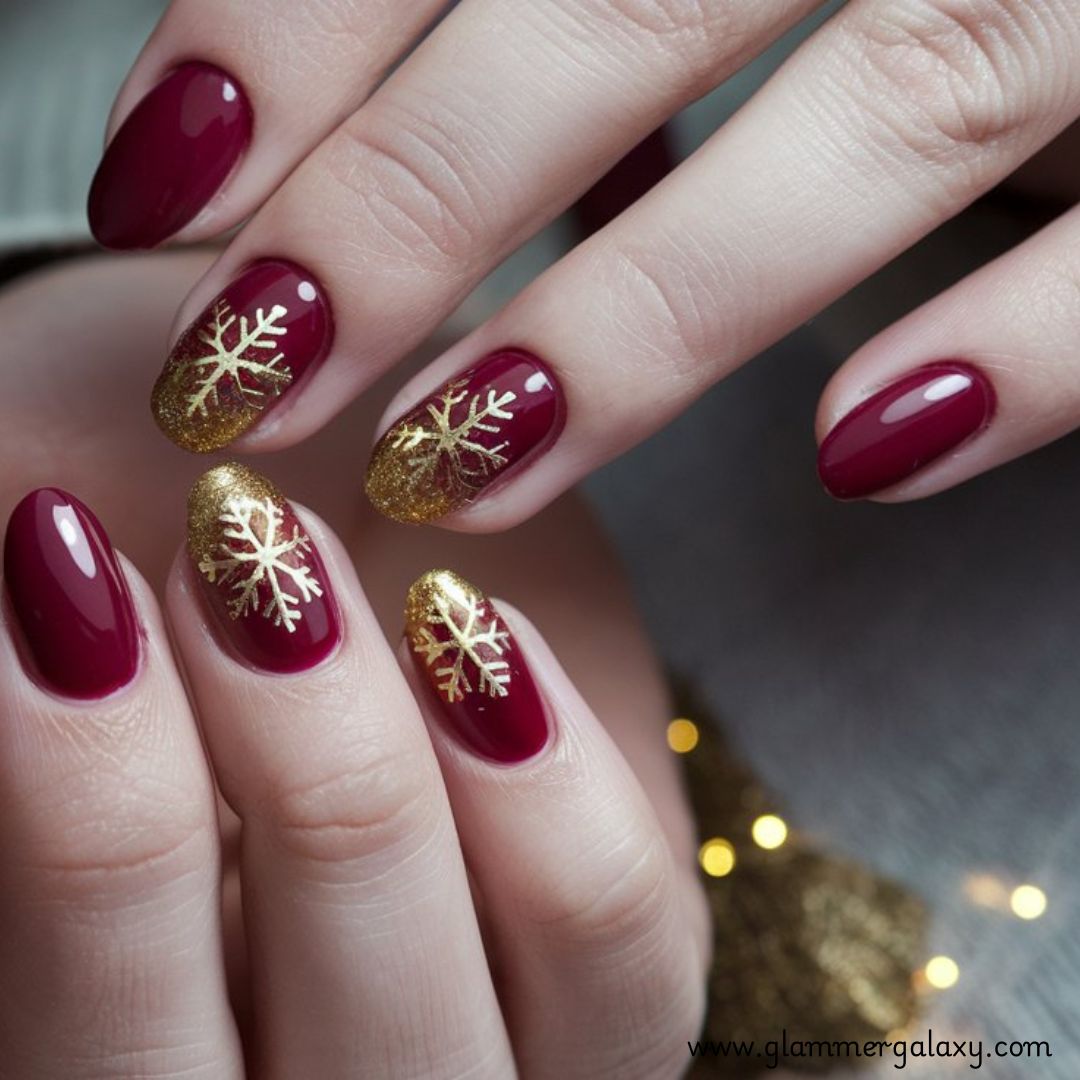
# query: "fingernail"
462,647
472,432
904,427
69,596
252,345
261,574
169,157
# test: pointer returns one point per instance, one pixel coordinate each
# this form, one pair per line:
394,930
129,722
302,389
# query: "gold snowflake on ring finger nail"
260,571
482,686
449,449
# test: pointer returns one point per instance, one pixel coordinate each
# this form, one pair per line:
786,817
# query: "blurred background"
903,678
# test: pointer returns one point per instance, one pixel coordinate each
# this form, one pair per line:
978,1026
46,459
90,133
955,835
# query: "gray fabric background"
904,677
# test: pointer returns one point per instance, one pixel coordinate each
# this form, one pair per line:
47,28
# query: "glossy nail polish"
904,427
170,156
471,432
261,574
251,346
462,647
69,597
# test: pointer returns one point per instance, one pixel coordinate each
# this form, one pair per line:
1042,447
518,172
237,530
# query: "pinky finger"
984,373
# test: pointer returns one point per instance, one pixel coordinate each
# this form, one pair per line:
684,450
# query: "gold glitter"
432,461
448,622
240,538
804,942
220,377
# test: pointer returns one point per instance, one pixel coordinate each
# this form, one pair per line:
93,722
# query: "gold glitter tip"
398,489
434,586
220,378
458,637
210,497
444,453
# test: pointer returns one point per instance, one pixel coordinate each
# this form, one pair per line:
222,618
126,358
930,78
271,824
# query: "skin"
400,194
98,865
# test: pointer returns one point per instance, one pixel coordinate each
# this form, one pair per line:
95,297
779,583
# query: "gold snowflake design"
441,604
435,461
257,549
228,364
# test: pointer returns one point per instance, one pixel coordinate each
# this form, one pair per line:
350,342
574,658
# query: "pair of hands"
395,903
379,201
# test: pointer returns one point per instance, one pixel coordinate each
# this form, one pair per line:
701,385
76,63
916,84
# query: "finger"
364,949
111,950
225,99
983,373
891,118
409,203
592,924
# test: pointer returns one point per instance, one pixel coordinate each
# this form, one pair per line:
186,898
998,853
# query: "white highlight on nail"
67,525
947,387
536,382
228,91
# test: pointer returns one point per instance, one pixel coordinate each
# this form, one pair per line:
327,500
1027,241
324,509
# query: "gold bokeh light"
717,857
682,735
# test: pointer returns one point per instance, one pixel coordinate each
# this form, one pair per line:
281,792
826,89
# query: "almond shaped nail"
476,670
69,596
470,433
250,347
261,574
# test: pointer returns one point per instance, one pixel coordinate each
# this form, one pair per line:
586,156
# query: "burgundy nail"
262,575
169,157
904,427
466,436
476,671
252,345
69,596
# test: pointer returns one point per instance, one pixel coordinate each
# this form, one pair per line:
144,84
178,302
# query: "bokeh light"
1027,901
769,832
682,735
942,972
717,857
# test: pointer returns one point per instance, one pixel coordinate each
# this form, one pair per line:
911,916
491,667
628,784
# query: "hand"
111,958
389,204
575,946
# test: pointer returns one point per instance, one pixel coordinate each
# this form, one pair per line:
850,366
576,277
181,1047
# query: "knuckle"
949,78
666,304
622,896
118,844
701,34
114,812
411,174
381,798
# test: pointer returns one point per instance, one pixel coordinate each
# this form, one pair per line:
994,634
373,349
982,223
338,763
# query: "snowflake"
262,558
467,638
436,437
231,362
